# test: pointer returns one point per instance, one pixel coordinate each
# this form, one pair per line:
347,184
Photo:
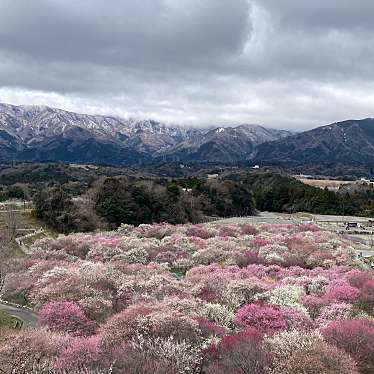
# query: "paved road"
16,210
367,253
261,218
28,317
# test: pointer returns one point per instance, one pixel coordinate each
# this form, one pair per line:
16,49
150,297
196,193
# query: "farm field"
331,184
195,299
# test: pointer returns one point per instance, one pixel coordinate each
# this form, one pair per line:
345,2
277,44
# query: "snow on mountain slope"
44,133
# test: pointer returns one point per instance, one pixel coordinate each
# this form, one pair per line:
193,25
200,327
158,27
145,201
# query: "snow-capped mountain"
225,144
41,133
35,123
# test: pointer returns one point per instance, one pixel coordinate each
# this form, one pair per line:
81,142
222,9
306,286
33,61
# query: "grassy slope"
8,321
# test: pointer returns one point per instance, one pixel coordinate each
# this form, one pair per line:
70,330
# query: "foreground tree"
295,352
30,351
237,354
356,337
65,316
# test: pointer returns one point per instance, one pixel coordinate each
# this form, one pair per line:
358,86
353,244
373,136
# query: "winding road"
28,317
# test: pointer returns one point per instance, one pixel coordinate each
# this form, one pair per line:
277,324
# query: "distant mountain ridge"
349,142
231,144
40,133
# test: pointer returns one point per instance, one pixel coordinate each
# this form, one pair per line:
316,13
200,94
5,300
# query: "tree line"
111,201
117,200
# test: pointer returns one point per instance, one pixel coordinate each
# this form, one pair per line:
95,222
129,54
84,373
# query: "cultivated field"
330,184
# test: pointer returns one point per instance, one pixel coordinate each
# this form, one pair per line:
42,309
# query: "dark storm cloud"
127,33
285,63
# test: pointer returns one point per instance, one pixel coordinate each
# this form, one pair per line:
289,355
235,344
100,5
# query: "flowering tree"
262,317
356,337
322,358
306,352
30,351
337,311
366,299
341,290
237,354
65,316
160,298
81,352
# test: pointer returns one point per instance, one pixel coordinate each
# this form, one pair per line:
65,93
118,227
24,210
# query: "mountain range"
40,133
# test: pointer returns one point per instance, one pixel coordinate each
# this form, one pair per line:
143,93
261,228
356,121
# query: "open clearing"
331,184
18,224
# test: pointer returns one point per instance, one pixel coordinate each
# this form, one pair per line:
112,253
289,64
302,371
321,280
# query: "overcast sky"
291,64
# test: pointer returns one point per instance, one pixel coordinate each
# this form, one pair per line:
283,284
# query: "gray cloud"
322,14
292,64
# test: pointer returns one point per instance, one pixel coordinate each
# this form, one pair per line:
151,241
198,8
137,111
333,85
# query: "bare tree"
4,257
11,220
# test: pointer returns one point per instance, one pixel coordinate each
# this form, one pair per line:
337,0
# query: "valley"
186,187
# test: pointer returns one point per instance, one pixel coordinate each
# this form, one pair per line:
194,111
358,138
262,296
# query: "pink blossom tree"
81,352
237,354
65,316
356,337
263,317
341,290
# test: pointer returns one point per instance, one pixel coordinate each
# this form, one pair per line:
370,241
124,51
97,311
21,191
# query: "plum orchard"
194,299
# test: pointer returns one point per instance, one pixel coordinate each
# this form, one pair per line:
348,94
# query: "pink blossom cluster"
185,246
194,299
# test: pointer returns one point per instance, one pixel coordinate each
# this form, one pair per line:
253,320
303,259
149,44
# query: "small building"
212,176
364,180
